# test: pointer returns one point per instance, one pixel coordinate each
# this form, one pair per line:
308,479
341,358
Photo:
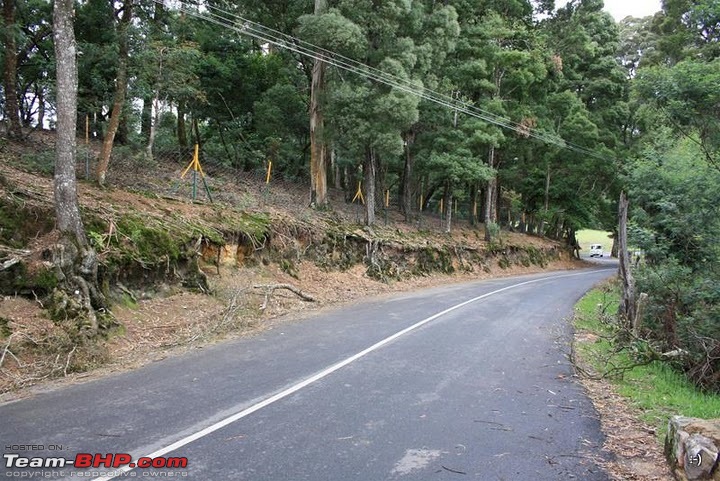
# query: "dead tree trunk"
74,259
120,91
627,308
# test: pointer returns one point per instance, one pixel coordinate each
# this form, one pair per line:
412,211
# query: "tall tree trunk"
41,108
547,200
380,180
196,131
318,167
407,191
150,101
146,117
496,200
74,258
154,119
614,249
473,214
490,198
369,174
337,173
12,107
121,136
351,180
181,128
627,301
120,91
448,207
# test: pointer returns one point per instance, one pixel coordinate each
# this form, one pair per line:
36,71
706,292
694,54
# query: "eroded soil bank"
184,274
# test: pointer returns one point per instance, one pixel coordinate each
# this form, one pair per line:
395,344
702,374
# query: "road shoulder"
634,444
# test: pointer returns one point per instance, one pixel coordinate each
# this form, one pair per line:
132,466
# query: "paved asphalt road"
381,390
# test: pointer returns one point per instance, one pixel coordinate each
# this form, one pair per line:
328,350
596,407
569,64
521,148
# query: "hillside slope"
183,274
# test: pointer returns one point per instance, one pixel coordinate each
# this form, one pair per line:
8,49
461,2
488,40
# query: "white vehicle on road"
596,250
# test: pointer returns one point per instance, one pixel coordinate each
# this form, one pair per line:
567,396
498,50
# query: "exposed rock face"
691,448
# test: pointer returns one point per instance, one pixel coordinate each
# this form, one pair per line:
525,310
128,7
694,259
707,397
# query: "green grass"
588,237
657,390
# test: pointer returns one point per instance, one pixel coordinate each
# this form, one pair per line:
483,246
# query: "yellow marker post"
196,167
387,198
441,206
269,171
359,194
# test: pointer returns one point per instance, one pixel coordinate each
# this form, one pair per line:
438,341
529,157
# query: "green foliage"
149,244
683,312
42,162
96,36
334,32
687,95
657,389
676,195
673,185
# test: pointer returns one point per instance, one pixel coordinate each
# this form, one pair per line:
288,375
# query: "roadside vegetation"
655,388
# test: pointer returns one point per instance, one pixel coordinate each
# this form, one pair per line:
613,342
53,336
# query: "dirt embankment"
182,275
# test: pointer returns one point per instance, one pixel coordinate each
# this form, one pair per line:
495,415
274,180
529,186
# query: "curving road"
459,382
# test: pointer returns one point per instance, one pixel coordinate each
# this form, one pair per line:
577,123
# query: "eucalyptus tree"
434,29
499,60
318,148
327,29
124,16
369,117
447,152
592,113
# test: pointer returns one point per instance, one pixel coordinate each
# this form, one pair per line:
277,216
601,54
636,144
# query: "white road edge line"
324,373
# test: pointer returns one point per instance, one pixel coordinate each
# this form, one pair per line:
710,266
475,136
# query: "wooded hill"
508,113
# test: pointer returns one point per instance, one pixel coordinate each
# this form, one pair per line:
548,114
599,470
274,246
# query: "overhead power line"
265,34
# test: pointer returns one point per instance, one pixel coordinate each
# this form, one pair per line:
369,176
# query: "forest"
511,114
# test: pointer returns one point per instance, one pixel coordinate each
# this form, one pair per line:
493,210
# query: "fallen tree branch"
7,351
67,363
231,310
270,288
15,252
9,263
228,316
